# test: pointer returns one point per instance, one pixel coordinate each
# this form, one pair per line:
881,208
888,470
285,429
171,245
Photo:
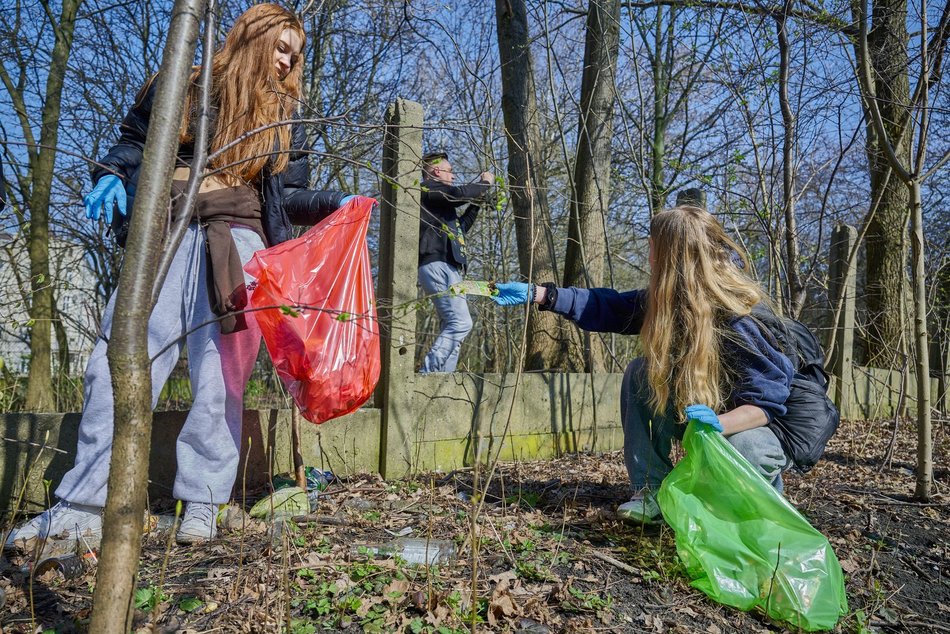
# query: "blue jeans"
648,437
456,321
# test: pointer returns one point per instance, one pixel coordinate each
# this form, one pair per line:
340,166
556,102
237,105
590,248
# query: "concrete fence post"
396,295
692,196
841,282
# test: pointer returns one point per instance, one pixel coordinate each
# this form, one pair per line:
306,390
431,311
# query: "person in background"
256,189
442,253
705,358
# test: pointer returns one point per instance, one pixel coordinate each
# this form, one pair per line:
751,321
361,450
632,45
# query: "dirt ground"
552,558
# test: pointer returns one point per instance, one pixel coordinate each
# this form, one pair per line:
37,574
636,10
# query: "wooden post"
300,472
841,281
398,264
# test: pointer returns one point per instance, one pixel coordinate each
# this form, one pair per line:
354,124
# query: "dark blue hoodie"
763,374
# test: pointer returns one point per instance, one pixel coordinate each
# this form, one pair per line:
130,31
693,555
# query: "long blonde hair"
694,288
249,94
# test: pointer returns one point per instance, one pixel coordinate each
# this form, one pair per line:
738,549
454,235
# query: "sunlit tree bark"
128,346
585,260
42,161
547,336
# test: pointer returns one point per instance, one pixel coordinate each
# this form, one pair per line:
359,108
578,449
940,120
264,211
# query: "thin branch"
924,89
198,161
819,17
939,164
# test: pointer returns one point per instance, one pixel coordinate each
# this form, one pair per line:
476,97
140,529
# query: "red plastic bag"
319,319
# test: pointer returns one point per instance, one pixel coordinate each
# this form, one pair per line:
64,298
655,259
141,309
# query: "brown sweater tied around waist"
218,208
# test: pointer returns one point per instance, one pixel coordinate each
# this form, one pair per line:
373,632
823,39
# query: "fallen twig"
34,444
920,571
886,499
327,520
614,562
927,624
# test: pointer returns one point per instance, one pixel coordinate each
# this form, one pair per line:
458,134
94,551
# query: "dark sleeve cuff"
550,297
308,207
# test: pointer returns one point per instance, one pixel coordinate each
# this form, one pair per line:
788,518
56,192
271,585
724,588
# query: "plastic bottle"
318,480
160,522
277,529
313,498
414,550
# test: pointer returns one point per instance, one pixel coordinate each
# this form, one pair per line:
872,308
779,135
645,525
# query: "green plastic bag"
286,501
745,545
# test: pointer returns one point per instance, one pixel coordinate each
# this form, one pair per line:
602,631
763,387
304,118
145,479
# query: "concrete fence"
425,422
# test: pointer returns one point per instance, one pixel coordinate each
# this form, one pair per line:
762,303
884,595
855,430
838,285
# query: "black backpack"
812,418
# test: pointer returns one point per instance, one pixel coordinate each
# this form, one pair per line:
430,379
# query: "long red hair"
249,94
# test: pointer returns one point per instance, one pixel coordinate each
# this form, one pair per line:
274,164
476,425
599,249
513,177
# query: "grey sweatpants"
648,438
219,365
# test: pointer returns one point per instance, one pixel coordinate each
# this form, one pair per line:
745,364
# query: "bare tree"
128,354
679,119
886,240
896,144
585,260
795,295
546,335
42,160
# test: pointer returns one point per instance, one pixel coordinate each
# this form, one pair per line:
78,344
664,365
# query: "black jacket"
286,199
441,229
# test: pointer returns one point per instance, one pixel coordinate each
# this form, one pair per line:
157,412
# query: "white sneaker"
198,524
641,509
64,520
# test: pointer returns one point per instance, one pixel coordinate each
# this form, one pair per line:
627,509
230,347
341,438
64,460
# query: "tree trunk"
585,260
895,144
547,336
941,338
795,292
39,387
662,67
128,348
885,239
925,463
62,360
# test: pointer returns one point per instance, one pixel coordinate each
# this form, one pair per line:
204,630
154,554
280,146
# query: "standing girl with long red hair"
255,189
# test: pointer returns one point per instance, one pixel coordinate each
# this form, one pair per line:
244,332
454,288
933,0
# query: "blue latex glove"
513,293
346,199
703,414
109,191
